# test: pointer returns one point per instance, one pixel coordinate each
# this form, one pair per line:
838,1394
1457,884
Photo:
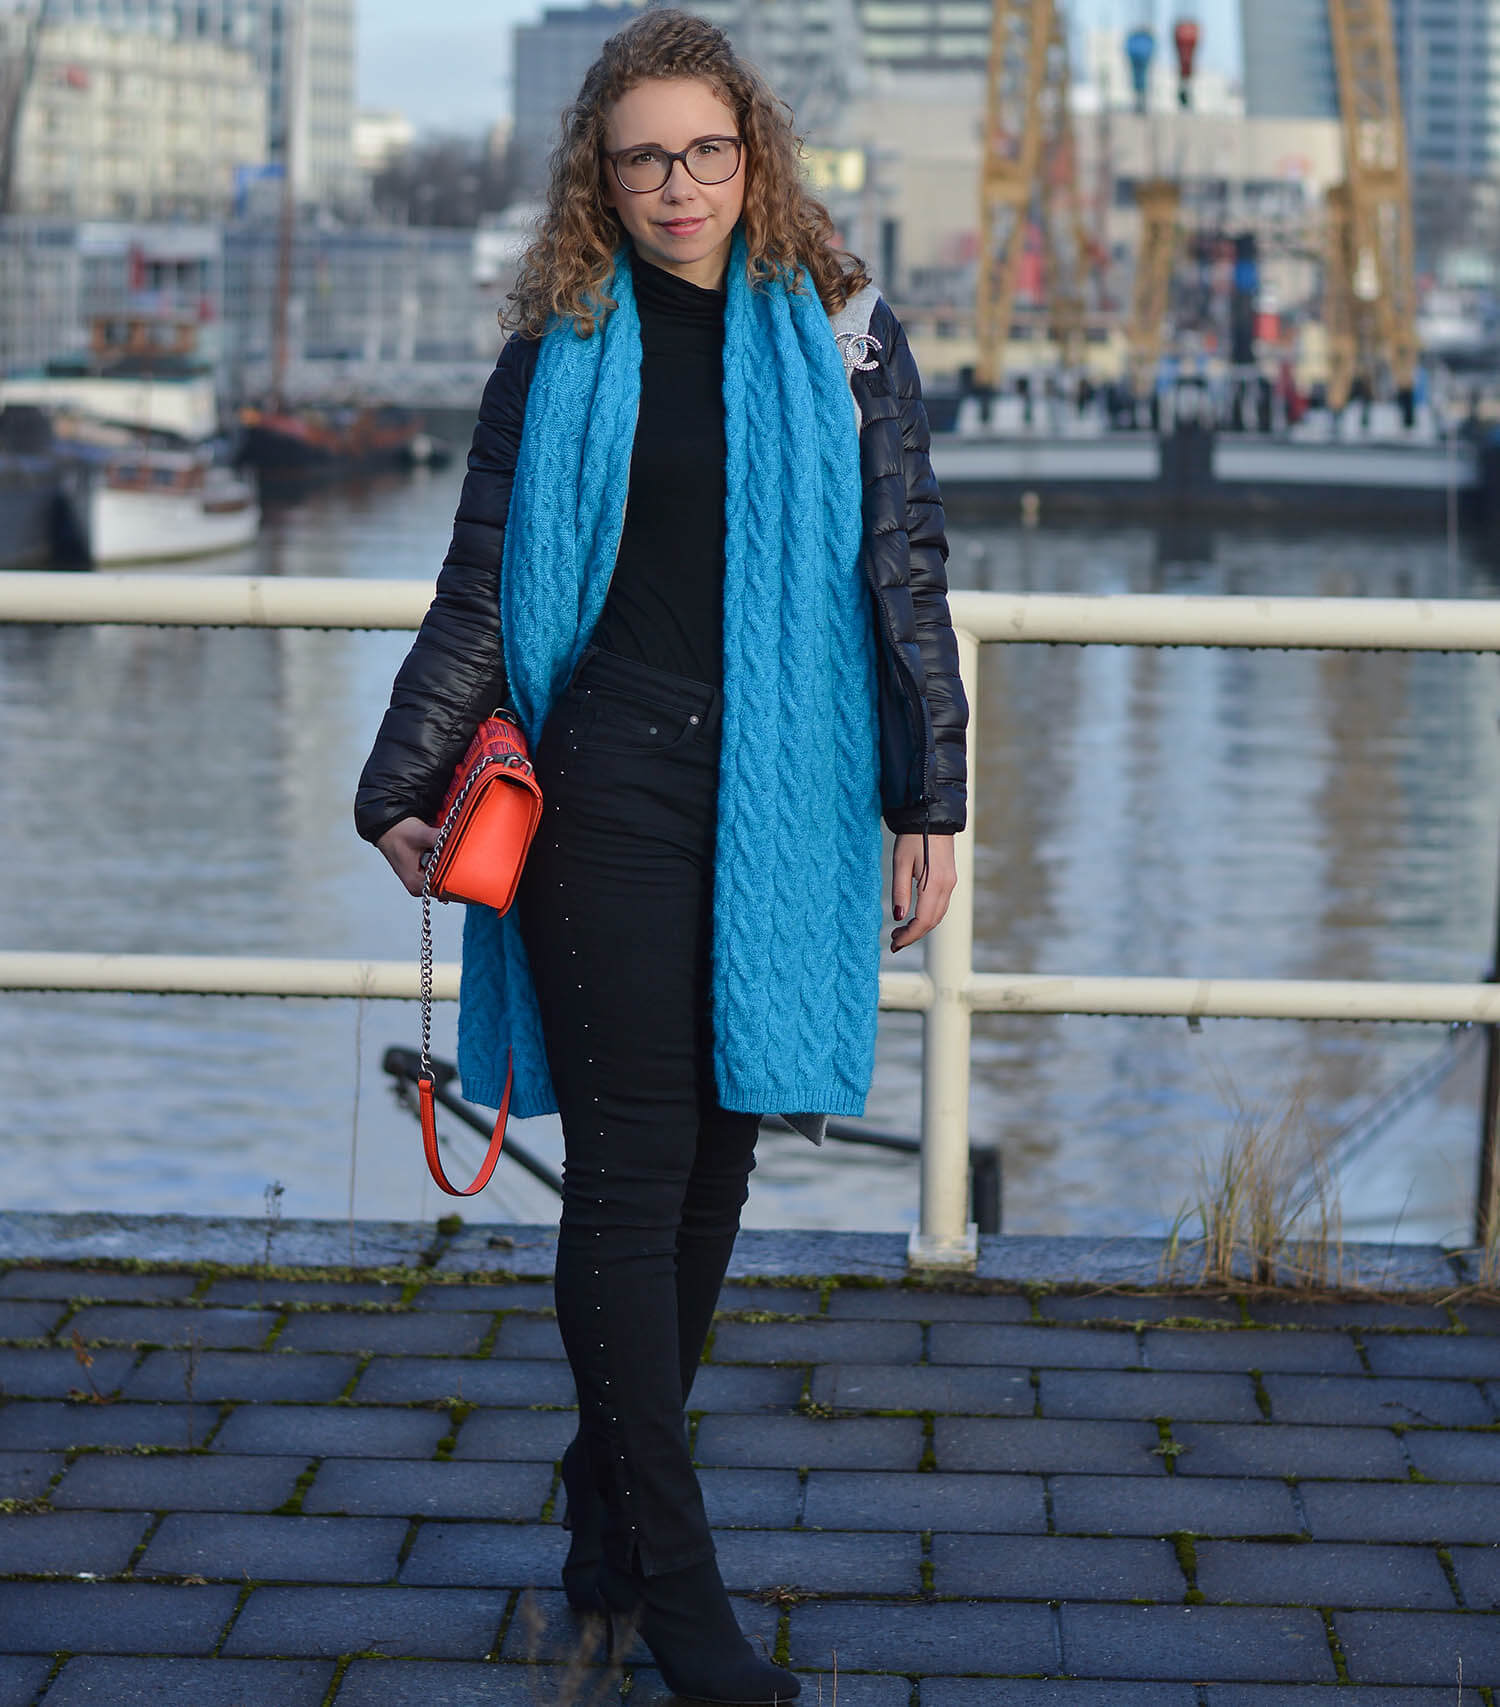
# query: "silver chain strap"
512,761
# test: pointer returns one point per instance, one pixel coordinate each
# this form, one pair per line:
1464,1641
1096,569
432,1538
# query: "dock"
316,1464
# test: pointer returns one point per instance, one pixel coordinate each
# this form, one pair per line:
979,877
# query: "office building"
124,124
548,60
264,29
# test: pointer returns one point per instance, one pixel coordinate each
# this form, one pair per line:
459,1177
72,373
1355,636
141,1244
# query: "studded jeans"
616,912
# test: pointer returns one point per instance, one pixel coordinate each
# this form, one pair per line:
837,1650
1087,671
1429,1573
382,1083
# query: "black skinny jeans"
616,912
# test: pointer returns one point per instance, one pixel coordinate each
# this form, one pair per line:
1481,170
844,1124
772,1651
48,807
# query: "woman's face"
684,227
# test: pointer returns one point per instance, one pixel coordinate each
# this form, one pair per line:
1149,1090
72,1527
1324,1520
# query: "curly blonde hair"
565,273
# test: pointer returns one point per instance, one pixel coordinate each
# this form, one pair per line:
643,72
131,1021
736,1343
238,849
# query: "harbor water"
1189,812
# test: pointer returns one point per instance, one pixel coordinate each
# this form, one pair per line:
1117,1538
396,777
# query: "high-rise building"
266,28
1448,53
548,60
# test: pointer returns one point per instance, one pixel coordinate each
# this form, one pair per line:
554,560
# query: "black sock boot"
584,1520
684,1617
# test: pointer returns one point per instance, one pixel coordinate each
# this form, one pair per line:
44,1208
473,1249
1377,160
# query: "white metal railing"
949,992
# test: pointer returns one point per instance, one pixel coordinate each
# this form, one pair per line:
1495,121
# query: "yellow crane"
1370,309
1029,174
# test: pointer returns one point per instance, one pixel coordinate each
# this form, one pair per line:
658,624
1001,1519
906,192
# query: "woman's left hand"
933,894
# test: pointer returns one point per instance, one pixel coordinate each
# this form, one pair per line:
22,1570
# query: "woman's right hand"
403,845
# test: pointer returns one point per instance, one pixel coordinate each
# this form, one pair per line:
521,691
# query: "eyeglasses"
709,160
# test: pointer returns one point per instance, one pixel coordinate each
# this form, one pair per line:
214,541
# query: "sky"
446,63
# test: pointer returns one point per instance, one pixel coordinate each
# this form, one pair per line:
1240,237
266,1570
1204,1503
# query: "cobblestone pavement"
237,1488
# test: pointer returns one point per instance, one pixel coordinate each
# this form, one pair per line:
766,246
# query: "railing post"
944,1236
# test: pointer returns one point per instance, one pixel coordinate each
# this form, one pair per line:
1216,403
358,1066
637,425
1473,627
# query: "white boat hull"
139,527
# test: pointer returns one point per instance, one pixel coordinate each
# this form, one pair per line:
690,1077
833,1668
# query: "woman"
714,593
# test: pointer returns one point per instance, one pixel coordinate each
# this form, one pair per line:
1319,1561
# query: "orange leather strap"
427,1109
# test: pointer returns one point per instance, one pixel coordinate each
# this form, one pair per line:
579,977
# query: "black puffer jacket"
455,672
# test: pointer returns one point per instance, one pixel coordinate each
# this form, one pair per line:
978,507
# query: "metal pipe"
1487,1189
944,1236
1121,619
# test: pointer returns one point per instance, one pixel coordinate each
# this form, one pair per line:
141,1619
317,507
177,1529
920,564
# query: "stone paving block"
1126,1505
1031,1692
746,1389
495,1254
1449,1455
1479,1318
819,1563
1139,1307
119,1682
173,1482
1401,1511
1310,1695
1287,1449
1076,1262
438,1623
1354,1399
869,1690
1271,1574
509,1295
30,1318
1478,1572
1034,1347
1037,1443
21,1677
942,1636
773,1300
751,1499
333,1431
357,1331
516,1435
1196,1643
45,1372
1055,1567
93,1283
817,1342
482,1381
220,1375
68,1543
46,1423
855,1443
529,1336
925,1304
171,1325
844,1499
364,1487
545,1630
1473,1357
788,1255
115,1618
486,1555
1420,1647
924,1387
24,1475
1277,1310
1252,1348
273,1293
464,1683
285,1549
1105,1393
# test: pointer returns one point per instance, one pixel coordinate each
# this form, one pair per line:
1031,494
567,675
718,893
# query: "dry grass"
1266,1210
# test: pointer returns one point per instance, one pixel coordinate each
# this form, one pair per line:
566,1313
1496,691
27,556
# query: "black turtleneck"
666,599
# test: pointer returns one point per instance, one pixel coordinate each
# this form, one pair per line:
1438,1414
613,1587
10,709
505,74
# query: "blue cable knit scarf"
797,886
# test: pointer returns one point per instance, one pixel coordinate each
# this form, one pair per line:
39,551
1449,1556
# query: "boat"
151,505
42,494
296,447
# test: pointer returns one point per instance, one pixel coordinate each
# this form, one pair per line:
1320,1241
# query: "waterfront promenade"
247,1462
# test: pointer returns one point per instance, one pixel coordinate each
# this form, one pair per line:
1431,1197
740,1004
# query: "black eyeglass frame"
671,159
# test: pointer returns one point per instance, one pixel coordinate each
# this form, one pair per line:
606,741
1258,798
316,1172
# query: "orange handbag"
485,826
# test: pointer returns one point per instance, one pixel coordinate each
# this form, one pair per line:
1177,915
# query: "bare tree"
446,180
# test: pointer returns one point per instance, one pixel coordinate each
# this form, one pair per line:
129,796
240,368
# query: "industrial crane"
1029,176
1369,305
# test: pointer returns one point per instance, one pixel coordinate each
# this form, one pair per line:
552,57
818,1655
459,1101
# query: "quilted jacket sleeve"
455,671
946,702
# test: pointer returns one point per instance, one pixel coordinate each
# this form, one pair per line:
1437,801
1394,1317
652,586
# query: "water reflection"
1153,812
